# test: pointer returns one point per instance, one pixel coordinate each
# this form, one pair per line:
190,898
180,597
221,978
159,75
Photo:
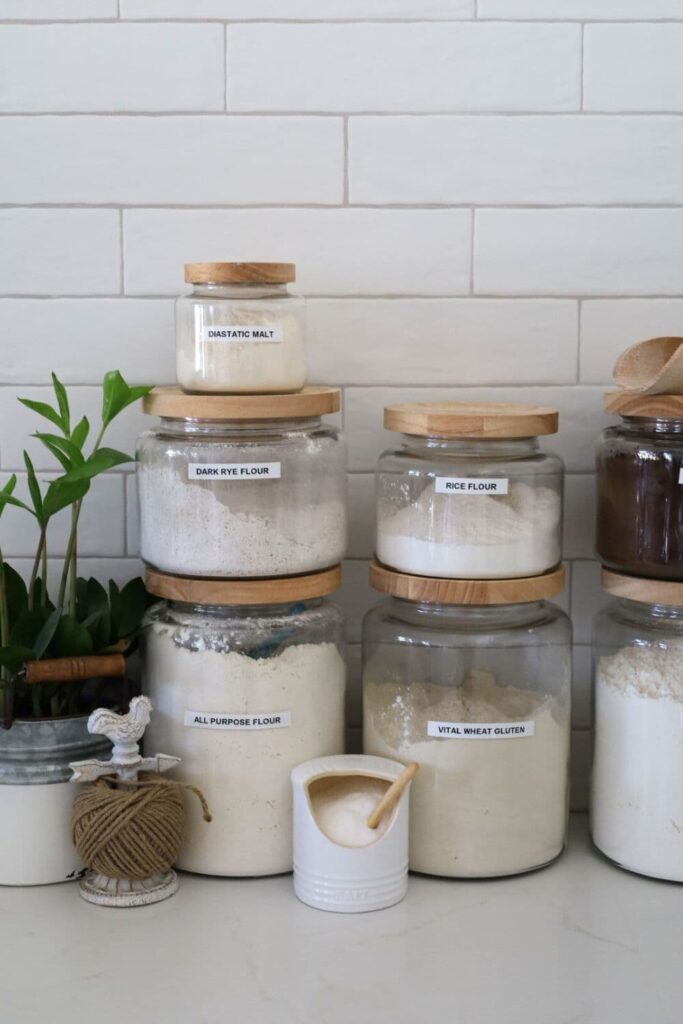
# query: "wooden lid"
441,591
240,273
626,403
175,403
275,590
471,419
638,589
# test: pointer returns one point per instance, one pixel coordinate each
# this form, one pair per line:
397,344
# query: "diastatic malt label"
234,470
480,730
238,720
268,333
471,485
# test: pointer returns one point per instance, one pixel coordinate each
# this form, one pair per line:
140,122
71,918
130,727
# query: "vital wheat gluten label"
271,333
471,485
228,720
480,730
234,470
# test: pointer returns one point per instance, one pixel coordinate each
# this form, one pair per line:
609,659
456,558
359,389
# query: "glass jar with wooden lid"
472,679
468,493
636,791
239,486
640,486
247,679
240,330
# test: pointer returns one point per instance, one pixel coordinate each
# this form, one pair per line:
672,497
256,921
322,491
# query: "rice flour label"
238,721
480,730
234,470
471,485
259,333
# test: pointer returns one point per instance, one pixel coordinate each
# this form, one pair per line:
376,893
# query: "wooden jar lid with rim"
433,590
636,588
240,273
625,403
275,590
471,419
175,403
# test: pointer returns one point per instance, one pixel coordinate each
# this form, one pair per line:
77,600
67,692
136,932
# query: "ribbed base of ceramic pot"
117,892
352,895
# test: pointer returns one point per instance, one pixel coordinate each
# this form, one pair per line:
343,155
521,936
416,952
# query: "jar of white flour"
250,485
469,494
247,680
240,330
637,788
472,679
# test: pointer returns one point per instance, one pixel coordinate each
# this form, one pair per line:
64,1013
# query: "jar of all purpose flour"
247,680
469,494
472,679
240,330
640,486
250,485
637,793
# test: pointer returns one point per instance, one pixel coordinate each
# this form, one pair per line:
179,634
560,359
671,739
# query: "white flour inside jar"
341,808
637,795
478,808
474,536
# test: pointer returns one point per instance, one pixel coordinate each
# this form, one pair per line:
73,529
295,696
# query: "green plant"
85,618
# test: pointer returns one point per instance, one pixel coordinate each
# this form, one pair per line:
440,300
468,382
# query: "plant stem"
34,571
4,631
70,559
74,564
43,592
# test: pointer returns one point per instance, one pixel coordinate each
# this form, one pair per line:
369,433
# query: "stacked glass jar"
467,666
636,798
242,491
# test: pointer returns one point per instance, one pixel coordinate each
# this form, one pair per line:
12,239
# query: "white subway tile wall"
483,198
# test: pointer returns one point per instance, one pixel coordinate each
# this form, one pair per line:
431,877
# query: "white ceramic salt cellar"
125,733
341,878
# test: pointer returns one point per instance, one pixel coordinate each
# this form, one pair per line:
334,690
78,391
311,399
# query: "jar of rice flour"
251,485
472,679
247,680
636,789
240,330
468,493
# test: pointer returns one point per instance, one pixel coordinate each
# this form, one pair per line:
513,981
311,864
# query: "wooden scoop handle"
67,670
393,794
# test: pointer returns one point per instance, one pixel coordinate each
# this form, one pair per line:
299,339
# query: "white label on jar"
272,333
228,720
680,475
471,485
234,470
480,730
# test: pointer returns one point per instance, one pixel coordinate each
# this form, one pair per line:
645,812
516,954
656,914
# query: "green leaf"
98,621
116,395
47,631
62,492
27,627
17,594
43,409
71,638
62,402
99,462
34,490
133,600
14,656
70,455
7,499
80,433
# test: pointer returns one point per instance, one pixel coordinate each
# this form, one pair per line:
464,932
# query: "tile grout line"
579,318
345,199
122,278
582,66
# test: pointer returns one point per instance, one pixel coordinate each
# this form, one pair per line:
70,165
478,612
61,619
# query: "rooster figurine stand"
125,732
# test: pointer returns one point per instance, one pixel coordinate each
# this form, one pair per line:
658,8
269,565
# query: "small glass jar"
240,330
252,486
469,494
636,788
247,680
640,487
472,680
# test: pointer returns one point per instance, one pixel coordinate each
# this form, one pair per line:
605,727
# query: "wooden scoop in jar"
652,367
393,794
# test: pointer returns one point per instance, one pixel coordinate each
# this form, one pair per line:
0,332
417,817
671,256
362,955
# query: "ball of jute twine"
131,829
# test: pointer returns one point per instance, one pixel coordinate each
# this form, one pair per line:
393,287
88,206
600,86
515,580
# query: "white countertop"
578,941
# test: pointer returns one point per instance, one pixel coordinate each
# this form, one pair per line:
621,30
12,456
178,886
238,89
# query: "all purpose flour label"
480,730
234,470
228,720
273,333
471,485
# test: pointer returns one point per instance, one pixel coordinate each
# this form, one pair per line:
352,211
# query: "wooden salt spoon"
652,367
393,794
